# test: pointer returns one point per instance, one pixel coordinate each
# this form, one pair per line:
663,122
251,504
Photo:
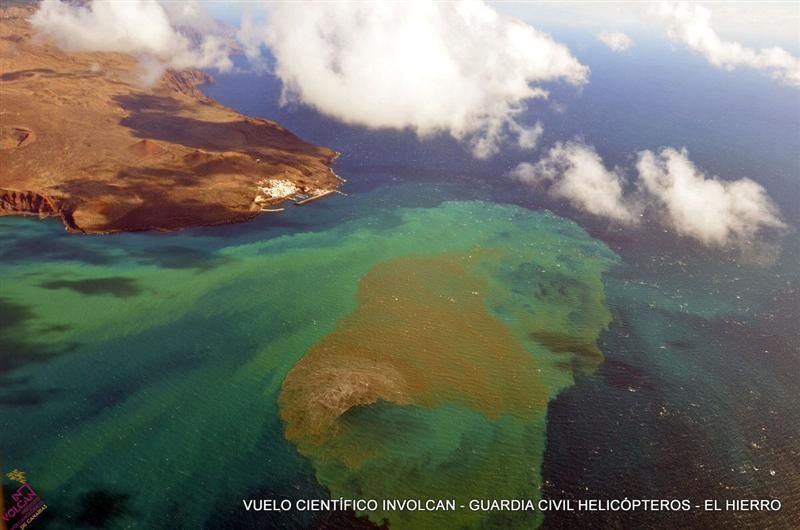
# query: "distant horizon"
457,265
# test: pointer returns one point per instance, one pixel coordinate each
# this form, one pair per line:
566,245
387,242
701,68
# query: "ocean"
441,332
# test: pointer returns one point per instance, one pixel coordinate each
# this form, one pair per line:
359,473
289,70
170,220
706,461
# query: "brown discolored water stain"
421,335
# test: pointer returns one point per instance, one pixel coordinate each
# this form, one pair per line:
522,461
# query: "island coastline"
84,141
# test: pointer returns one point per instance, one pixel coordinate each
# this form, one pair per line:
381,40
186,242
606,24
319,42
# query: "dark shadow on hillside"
17,75
155,118
145,204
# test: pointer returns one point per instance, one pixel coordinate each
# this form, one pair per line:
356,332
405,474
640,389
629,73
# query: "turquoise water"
143,376
143,372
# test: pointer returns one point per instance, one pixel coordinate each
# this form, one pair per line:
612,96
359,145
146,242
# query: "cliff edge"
81,139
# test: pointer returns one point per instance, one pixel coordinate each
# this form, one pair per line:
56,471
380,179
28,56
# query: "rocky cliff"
81,138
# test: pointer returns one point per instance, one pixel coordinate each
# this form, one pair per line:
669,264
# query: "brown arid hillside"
80,138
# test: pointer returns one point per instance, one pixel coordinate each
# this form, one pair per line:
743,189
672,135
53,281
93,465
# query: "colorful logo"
25,505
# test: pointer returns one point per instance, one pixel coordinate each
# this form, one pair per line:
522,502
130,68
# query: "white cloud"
190,14
691,24
575,172
432,67
528,137
139,27
615,40
711,210
746,20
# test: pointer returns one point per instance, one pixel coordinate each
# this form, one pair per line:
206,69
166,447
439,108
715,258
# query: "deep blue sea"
699,395
157,398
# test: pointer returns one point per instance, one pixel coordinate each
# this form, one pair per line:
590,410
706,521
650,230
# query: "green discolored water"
141,374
